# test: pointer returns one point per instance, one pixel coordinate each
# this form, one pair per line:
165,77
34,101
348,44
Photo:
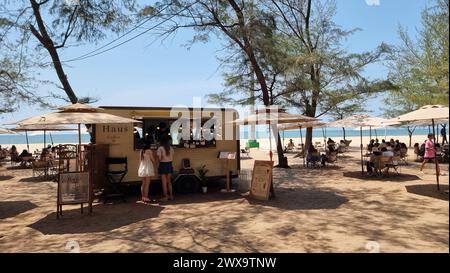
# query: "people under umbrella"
314,157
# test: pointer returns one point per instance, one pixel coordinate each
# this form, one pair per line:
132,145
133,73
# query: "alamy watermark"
203,123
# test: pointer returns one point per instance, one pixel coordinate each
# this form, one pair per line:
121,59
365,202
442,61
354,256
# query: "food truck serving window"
155,129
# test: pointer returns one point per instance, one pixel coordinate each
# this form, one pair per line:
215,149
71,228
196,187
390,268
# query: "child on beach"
165,155
146,171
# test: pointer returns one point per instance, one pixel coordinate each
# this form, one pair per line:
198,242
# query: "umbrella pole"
28,144
270,143
362,162
324,137
436,162
283,138
376,134
370,129
437,133
45,139
51,138
385,133
79,147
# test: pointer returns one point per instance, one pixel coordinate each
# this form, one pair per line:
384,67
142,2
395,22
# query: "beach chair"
313,160
385,164
404,157
116,170
393,163
246,152
40,168
332,158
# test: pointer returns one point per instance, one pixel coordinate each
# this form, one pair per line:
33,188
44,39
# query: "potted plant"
202,175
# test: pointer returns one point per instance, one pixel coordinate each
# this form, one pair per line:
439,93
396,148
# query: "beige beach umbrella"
359,121
76,114
40,127
4,131
427,114
272,116
300,126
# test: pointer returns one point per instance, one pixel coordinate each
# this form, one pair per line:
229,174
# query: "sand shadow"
429,190
297,166
12,208
402,177
19,167
37,179
303,199
6,177
213,195
104,218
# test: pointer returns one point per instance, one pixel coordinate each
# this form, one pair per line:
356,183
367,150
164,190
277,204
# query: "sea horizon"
57,137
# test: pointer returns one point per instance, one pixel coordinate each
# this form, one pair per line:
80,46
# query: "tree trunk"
46,41
61,75
343,130
410,134
308,138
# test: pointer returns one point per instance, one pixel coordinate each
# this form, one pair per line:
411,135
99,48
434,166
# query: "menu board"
73,188
261,180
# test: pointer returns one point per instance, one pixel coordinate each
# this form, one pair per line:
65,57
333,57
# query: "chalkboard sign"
262,180
73,188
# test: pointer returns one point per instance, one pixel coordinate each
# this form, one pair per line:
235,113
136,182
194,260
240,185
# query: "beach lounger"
246,152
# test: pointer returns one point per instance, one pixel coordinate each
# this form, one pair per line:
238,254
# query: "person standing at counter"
165,155
146,171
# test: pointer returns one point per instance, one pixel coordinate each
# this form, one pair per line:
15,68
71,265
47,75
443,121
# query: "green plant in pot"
203,180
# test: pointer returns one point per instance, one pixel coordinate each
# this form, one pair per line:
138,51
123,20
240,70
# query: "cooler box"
252,144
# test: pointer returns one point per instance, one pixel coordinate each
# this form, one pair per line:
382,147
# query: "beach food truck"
198,137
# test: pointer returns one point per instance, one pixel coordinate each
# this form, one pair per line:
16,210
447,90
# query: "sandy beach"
332,209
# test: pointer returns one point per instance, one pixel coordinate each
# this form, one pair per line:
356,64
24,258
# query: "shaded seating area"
383,165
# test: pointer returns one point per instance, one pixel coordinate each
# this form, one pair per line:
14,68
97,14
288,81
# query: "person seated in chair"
330,142
290,145
44,154
386,153
329,156
313,155
13,152
371,145
24,157
25,153
371,163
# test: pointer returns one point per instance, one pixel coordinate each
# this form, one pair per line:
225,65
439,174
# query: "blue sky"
142,73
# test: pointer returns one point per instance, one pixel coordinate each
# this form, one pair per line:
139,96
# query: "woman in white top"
165,155
146,171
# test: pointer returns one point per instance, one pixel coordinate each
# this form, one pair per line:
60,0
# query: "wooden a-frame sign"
262,181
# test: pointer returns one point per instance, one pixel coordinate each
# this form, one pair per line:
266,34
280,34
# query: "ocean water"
333,133
32,139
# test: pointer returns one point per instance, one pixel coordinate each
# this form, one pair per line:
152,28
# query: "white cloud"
373,2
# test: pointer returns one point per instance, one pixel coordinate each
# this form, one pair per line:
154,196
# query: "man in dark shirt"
444,134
